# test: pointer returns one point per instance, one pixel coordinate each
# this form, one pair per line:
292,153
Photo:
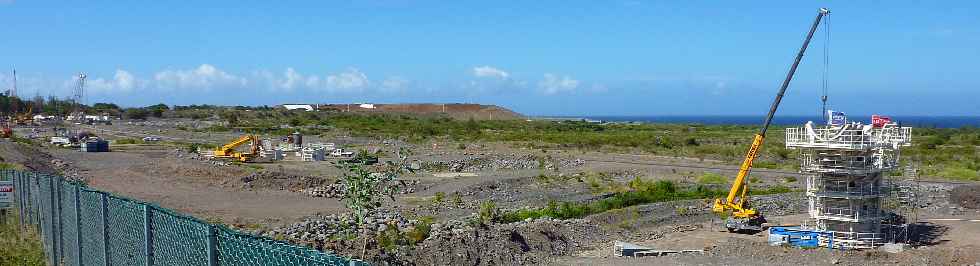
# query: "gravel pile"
521,243
966,196
281,181
325,228
69,172
476,163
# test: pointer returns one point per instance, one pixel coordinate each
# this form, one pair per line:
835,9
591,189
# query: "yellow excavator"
740,216
228,150
26,118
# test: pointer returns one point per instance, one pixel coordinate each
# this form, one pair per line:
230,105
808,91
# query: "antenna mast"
13,91
78,98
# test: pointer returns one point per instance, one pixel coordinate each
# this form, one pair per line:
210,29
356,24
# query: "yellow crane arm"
237,142
736,196
228,150
735,202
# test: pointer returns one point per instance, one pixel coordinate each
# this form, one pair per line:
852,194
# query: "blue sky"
536,57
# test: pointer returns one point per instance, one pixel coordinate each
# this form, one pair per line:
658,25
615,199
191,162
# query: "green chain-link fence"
83,226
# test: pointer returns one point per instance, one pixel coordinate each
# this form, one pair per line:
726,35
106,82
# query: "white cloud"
292,80
122,81
204,77
395,83
488,71
552,84
352,79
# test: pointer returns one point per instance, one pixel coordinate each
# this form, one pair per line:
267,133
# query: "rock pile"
281,181
69,172
324,228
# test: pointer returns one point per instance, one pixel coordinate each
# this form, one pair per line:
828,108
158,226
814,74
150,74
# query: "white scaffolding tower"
844,165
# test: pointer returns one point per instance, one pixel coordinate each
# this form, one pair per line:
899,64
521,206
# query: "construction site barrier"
83,226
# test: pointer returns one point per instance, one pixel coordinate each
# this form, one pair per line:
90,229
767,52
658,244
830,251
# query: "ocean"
913,121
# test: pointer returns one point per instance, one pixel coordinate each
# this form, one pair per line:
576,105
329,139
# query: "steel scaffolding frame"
844,166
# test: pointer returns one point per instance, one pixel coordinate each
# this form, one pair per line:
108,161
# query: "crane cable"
825,78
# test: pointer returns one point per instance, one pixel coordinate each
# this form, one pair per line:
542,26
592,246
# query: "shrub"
691,142
488,212
457,199
438,197
127,141
421,231
789,179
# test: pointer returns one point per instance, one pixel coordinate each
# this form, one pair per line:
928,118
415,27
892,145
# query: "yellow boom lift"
741,217
228,150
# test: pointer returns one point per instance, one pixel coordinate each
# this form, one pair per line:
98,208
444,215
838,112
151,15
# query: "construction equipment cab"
740,216
228,150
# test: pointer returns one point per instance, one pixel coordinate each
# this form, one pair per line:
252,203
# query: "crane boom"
228,150
742,217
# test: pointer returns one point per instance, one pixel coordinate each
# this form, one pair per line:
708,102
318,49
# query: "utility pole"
13,91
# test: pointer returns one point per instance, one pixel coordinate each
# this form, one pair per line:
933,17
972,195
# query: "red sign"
6,189
880,121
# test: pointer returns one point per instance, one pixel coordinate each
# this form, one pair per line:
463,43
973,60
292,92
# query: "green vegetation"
194,147
16,247
9,166
439,197
951,153
128,141
709,178
641,192
947,153
457,199
488,212
391,238
25,141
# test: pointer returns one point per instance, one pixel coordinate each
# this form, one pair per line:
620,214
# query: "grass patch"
643,192
709,178
128,141
16,247
10,166
959,173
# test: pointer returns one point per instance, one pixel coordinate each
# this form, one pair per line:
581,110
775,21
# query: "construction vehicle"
5,130
228,150
26,118
740,216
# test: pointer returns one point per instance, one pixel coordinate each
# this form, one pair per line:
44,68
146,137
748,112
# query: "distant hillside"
453,110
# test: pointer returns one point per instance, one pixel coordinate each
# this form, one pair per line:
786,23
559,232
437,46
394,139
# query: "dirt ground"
510,175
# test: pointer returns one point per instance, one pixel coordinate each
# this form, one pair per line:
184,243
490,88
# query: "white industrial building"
306,107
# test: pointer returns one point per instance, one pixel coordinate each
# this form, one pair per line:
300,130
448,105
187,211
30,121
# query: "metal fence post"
78,226
35,202
212,246
26,211
60,218
54,224
21,205
148,233
105,228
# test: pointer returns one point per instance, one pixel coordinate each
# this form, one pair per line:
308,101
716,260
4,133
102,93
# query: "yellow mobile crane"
741,217
228,150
